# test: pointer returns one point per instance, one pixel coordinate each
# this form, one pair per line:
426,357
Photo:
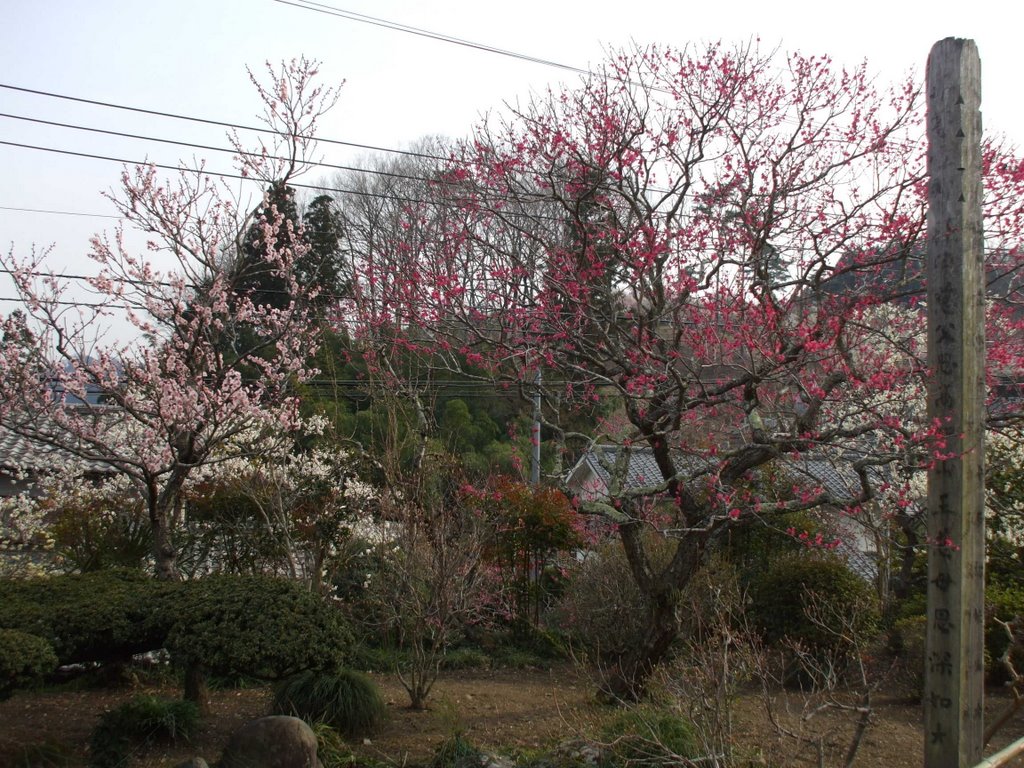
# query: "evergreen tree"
275,227
322,266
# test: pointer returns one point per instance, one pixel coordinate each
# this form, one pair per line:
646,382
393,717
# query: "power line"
59,213
65,303
208,121
206,172
368,171
211,148
362,18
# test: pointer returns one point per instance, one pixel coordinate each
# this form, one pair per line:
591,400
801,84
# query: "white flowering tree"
285,512
213,361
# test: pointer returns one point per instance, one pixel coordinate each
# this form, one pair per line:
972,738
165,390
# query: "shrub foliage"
257,626
102,616
801,599
23,659
232,625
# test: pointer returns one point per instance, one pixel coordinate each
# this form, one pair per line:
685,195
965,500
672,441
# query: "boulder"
194,762
272,742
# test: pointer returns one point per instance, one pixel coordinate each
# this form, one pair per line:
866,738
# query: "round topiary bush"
24,658
256,626
814,601
347,701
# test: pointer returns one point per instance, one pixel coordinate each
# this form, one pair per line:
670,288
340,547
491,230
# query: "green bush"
648,736
753,546
102,616
257,626
816,601
517,658
141,722
101,527
1005,604
24,658
543,643
347,701
233,626
372,658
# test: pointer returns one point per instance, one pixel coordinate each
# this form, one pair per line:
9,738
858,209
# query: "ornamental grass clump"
141,722
345,700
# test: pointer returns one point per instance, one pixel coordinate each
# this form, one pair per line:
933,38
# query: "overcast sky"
189,57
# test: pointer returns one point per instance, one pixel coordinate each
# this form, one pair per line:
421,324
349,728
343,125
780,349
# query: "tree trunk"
165,557
196,689
627,680
162,504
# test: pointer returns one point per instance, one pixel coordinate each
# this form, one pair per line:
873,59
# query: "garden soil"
516,712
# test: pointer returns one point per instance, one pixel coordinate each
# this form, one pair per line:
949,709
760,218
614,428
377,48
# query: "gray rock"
578,752
195,762
490,760
272,742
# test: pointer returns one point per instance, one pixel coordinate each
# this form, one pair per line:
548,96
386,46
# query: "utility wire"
324,8
59,213
212,148
369,171
206,172
208,121
362,18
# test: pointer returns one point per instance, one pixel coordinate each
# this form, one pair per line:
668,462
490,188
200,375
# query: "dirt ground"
507,711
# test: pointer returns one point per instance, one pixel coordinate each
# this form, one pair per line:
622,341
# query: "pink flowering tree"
209,364
702,241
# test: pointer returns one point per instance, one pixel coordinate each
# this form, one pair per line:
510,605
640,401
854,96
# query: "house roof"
838,478
19,453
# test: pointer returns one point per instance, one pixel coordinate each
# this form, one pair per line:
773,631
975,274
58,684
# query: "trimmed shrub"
801,599
647,736
105,616
257,626
347,701
24,658
141,722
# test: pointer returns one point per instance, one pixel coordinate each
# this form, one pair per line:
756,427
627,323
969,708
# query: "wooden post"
954,689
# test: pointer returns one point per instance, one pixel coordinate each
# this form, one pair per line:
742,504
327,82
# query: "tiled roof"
21,453
836,477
